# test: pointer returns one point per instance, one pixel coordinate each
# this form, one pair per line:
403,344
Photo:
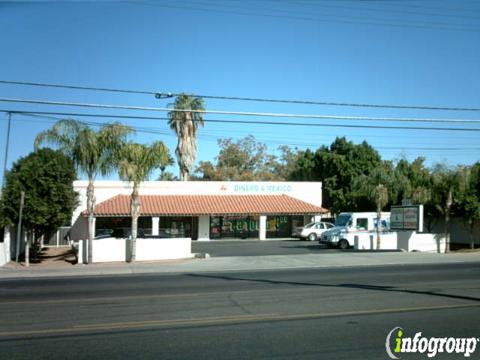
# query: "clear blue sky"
387,52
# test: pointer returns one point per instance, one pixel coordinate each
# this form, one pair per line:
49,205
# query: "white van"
347,225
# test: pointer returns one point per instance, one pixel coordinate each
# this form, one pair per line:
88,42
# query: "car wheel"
312,237
343,244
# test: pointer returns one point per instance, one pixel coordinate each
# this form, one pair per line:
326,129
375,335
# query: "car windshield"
309,225
342,220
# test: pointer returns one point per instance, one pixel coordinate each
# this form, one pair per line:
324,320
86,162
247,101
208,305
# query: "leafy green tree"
46,176
468,202
305,167
414,181
286,163
337,167
136,164
93,153
184,119
167,176
243,160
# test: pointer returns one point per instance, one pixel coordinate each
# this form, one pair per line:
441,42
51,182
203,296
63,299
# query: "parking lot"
259,248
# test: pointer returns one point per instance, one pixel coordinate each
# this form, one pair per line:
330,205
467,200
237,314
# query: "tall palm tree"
376,187
184,119
448,184
93,152
136,165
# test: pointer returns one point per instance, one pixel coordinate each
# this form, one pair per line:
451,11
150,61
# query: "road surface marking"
223,320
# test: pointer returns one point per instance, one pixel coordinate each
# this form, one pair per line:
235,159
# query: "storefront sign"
256,188
408,218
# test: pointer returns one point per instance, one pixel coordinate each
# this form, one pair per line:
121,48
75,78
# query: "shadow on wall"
439,238
460,234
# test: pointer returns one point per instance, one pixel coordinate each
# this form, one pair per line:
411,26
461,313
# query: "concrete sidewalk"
243,263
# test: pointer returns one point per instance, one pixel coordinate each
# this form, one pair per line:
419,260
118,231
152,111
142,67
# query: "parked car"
348,225
311,231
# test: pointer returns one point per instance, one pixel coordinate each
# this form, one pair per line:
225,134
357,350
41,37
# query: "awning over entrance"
196,205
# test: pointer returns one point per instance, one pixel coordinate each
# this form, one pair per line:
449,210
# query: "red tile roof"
164,205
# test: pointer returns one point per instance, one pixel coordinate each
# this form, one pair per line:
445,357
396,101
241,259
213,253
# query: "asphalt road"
297,314
259,248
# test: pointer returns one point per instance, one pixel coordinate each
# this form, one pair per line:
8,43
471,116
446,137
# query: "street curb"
204,263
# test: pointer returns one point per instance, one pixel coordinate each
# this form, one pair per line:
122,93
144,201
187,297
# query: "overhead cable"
151,130
240,113
280,123
167,94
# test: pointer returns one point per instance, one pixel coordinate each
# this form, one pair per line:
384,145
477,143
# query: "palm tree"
184,119
136,165
376,187
93,152
448,185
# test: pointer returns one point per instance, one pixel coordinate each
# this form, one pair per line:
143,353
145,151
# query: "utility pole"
19,227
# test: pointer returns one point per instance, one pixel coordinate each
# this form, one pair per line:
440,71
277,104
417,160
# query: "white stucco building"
201,210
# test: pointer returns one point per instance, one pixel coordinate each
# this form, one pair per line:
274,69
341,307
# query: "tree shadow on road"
386,288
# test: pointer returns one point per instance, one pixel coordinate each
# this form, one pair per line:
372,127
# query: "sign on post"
406,218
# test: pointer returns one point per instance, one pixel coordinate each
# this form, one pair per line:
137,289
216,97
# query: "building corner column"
262,231
155,226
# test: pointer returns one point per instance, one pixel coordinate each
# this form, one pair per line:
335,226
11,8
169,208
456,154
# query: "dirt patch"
52,257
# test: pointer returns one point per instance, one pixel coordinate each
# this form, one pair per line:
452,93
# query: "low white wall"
109,249
402,240
5,248
368,241
149,249
412,241
3,254
164,249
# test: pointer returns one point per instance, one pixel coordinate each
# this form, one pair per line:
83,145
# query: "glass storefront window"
235,227
121,227
178,226
280,226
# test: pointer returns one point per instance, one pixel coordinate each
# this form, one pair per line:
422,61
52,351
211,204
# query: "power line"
343,16
152,130
167,94
239,113
28,83
389,11
114,116
236,134
436,7
302,18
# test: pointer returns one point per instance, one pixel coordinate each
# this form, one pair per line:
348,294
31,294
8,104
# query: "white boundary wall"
5,248
148,249
402,240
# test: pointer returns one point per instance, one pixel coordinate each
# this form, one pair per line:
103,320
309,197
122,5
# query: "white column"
204,228
80,257
317,218
155,225
262,231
